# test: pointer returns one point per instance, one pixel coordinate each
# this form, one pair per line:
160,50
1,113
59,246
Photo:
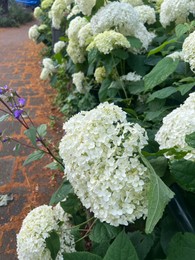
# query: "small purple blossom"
17,113
5,140
22,102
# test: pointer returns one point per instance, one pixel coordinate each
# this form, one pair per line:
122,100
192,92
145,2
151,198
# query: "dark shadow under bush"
17,15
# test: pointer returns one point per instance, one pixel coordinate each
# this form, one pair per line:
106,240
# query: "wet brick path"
32,185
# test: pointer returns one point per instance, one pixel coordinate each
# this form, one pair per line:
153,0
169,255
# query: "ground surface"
32,185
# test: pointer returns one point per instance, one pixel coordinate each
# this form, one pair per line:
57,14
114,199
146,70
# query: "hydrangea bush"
124,71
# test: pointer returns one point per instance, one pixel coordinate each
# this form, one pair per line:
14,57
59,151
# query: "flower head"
21,102
17,113
85,6
77,79
101,154
146,14
123,18
176,125
188,50
58,46
107,41
37,226
175,11
131,76
33,32
100,74
133,2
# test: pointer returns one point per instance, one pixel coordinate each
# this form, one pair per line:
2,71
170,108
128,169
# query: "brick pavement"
31,185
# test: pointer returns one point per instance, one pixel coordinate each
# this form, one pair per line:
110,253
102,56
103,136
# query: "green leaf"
134,42
160,72
151,115
37,155
161,47
121,249
42,130
81,256
190,140
72,204
181,29
162,94
160,165
61,193
92,56
185,88
120,53
142,243
183,172
31,133
103,91
182,247
4,117
103,232
52,166
53,244
158,197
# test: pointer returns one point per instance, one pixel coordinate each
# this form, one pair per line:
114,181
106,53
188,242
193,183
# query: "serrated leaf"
160,72
81,256
162,93
183,172
31,133
159,195
4,117
61,192
121,249
181,29
42,130
37,155
53,244
182,247
103,232
185,88
161,47
190,139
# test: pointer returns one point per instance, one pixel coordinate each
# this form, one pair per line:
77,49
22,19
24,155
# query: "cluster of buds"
13,102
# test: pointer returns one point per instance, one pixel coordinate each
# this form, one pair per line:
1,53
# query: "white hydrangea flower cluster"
74,11
37,12
107,41
85,35
131,76
36,227
133,2
85,6
176,125
188,50
48,68
74,50
124,19
75,25
46,4
175,11
58,46
56,14
101,152
77,79
146,14
33,32
100,74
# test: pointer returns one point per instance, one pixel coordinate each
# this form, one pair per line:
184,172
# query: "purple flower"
1,91
5,140
22,102
17,113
